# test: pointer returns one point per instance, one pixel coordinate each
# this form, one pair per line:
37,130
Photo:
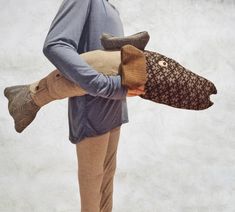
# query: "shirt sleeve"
61,46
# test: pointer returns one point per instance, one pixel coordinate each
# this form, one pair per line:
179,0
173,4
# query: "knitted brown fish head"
167,81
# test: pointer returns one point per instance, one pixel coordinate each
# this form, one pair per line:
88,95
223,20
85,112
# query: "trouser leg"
106,203
91,154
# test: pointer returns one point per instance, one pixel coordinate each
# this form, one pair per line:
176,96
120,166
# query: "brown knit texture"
133,67
21,106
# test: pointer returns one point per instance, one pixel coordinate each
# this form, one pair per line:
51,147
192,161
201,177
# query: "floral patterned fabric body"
170,83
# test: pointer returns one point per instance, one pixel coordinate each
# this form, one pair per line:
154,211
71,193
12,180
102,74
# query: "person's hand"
136,92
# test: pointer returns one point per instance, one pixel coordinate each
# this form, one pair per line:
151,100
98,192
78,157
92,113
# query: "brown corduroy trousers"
96,169
96,155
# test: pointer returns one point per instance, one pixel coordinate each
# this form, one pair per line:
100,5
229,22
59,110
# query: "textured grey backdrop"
169,160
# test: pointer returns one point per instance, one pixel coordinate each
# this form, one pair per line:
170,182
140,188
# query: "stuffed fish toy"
165,81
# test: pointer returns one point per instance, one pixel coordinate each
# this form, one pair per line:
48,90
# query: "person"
95,119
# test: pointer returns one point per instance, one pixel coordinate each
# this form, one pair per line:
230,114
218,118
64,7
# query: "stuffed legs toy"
165,81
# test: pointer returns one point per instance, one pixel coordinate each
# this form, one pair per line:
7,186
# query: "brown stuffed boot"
24,101
21,106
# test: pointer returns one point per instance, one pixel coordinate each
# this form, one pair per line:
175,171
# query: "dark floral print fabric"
170,83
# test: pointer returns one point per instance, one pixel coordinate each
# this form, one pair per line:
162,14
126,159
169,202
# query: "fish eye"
163,63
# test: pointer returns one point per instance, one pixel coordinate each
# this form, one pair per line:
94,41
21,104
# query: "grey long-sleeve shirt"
76,29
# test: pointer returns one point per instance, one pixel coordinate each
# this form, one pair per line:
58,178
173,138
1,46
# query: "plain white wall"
168,159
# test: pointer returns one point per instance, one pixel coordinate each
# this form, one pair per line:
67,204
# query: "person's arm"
61,46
